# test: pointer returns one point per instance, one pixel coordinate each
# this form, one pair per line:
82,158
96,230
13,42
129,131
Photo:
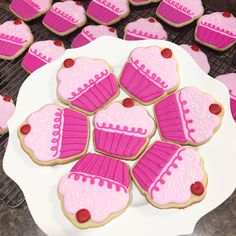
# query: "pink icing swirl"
180,7
12,38
88,34
144,34
111,6
64,15
40,55
33,4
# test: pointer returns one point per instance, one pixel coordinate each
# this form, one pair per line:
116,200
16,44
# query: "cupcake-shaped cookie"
29,9
41,53
142,2
230,82
95,191
188,116
108,12
92,32
199,57
15,37
7,109
216,30
123,129
149,74
170,176
54,135
65,17
180,12
144,28
86,84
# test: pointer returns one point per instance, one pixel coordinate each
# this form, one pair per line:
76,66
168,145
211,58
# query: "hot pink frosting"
41,5
199,56
145,29
83,191
129,120
174,182
161,71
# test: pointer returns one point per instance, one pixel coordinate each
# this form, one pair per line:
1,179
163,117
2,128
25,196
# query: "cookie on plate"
216,30
188,116
108,12
86,84
41,53
92,32
149,74
65,17
123,129
142,2
170,176
7,109
54,135
15,38
29,9
144,28
179,13
96,190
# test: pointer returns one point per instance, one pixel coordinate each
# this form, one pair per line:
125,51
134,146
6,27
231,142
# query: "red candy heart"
112,29
128,102
215,108
7,98
166,53
68,63
58,43
25,129
197,188
152,20
17,22
83,216
226,14
195,48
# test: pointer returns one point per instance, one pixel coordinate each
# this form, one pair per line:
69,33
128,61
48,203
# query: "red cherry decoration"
226,14
195,48
215,108
112,29
152,20
68,63
58,43
78,3
128,102
197,188
17,22
25,129
83,215
7,98
166,53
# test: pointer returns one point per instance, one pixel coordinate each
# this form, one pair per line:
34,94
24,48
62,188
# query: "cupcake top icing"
146,28
199,56
15,31
48,50
160,70
39,5
224,23
83,74
117,118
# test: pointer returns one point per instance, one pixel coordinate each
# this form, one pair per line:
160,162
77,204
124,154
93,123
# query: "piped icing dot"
128,102
17,22
112,29
166,53
195,48
152,20
58,43
215,108
25,129
7,98
226,14
83,215
78,3
197,188
69,63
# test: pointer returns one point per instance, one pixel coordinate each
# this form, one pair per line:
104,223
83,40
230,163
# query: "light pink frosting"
6,111
177,183
199,57
142,28
194,106
42,4
76,80
100,201
129,120
150,62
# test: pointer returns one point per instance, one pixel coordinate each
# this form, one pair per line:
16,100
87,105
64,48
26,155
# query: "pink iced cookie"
230,82
142,2
86,84
92,32
200,57
144,28
29,9
65,17
217,30
95,191
15,37
188,116
41,53
54,135
123,129
108,12
179,12
149,74
7,109
170,176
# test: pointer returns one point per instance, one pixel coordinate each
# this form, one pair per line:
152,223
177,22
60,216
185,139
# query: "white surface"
39,184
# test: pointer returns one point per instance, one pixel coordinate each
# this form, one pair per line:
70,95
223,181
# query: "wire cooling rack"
12,75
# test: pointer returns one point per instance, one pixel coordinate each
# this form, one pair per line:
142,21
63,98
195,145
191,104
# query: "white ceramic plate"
39,184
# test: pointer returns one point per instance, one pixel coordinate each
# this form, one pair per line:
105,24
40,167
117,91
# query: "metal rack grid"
12,75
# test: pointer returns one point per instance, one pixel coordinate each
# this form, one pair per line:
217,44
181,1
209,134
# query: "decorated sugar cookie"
95,191
179,13
15,37
86,84
108,12
41,53
144,28
170,176
65,17
142,2
216,30
92,32
123,129
29,9
188,116
149,74
54,135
